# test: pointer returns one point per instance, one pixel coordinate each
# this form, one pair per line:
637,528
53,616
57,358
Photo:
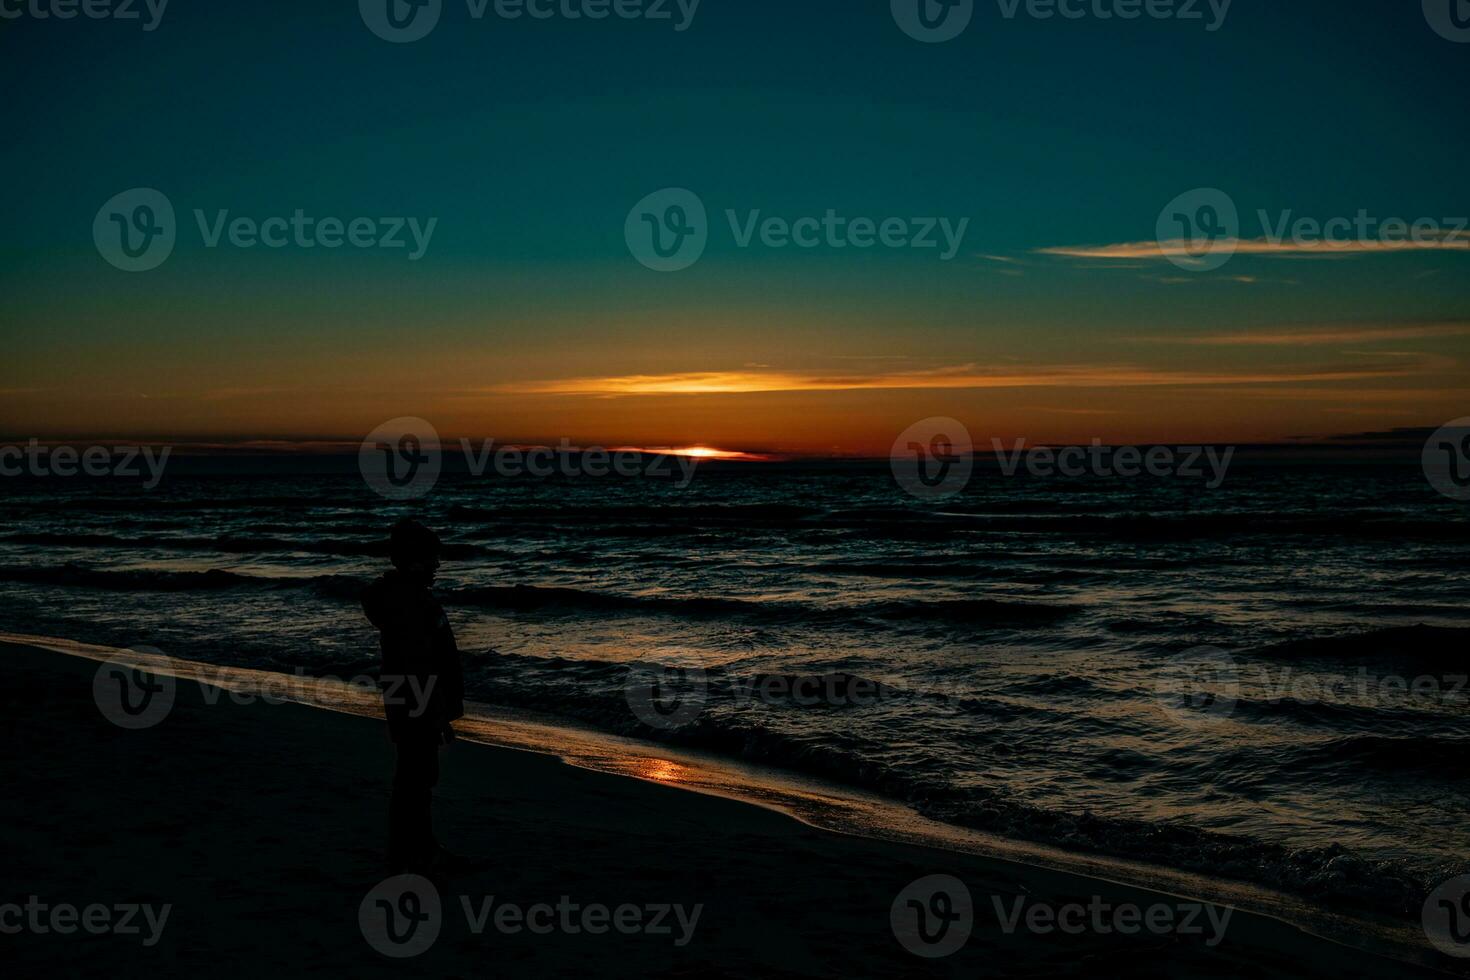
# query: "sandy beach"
258,827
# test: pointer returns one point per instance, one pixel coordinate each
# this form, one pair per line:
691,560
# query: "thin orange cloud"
1323,335
1183,248
959,376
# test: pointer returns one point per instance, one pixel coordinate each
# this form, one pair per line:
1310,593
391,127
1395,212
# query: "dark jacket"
421,678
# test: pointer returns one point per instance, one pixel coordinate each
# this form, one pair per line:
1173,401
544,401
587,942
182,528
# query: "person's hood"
387,599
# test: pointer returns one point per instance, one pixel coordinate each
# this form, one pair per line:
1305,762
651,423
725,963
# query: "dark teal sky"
530,141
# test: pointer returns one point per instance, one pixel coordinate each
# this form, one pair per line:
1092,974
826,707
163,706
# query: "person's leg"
427,840
410,822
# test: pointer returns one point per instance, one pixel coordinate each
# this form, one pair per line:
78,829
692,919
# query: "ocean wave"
1050,684
128,580
1437,646
951,569
740,515
168,580
1441,756
1170,528
970,612
1167,623
237,544
1332,715
159,504
599,695
1331,874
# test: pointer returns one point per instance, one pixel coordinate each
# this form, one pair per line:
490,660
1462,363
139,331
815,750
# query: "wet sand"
261,826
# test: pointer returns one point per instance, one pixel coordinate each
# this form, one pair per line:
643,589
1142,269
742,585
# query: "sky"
530,153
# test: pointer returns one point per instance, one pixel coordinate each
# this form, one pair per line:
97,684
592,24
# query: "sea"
1262,681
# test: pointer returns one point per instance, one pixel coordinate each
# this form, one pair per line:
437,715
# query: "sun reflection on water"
660,770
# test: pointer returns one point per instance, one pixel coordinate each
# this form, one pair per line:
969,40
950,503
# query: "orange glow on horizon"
964,376
699,452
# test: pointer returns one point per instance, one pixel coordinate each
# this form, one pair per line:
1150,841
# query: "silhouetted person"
422,685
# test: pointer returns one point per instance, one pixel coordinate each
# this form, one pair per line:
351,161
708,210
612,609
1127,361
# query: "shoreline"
824,808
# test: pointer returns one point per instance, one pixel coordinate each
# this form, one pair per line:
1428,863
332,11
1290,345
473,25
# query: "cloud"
1415,395
954,377
1346,334
1007,265
1409,435
1188,250
1190,280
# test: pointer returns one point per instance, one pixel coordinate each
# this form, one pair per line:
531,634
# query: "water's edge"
827,806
